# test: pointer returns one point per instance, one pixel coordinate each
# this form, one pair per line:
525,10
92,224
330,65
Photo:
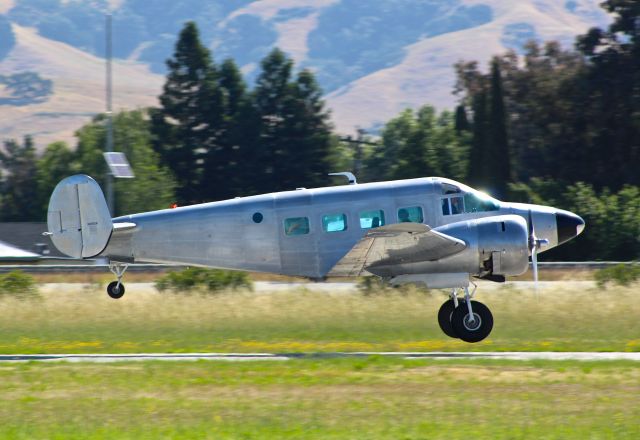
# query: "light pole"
109,139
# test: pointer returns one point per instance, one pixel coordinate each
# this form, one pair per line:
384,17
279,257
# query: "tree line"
551,126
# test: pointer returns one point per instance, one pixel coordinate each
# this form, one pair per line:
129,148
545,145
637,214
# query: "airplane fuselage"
307,231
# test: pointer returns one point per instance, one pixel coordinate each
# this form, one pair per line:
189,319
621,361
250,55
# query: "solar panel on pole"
119,165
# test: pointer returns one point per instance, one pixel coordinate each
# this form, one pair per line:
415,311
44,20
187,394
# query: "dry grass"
81,318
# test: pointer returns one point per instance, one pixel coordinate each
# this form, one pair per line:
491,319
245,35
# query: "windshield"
468,203
479,202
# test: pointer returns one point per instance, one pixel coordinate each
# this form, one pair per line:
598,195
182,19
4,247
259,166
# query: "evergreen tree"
419,144
307,134
185,127
286,130
20,198
478,160
414,154
499,158
271,97
613,83
384,160
56,163
224,163
462,122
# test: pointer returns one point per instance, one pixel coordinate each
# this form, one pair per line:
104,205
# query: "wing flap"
401,243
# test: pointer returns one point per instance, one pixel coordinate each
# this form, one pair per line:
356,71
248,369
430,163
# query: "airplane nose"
568,225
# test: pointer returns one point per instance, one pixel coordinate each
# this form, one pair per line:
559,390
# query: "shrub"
204,280
620,274
372,286
17,284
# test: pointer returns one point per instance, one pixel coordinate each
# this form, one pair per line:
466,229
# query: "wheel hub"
472,324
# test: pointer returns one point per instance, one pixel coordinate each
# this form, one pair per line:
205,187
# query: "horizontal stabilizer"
125,226
401,243
78,218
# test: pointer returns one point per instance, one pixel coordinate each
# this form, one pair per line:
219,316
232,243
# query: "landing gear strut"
468,320
115,289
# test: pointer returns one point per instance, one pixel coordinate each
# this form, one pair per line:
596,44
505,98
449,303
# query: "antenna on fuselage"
348,175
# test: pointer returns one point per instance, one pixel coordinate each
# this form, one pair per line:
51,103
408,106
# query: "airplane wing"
400,243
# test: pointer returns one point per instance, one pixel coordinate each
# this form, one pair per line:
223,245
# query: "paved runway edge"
240,357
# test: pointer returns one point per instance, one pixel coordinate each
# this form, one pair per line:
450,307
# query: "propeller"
535,244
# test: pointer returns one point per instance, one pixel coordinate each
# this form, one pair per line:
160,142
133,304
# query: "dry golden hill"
79,88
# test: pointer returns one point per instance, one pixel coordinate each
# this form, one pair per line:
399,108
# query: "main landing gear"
468,320
115,289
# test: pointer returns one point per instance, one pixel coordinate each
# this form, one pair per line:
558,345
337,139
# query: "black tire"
444,318
114,291
472,332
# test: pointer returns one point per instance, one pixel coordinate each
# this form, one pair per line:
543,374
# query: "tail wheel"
114,290
472,329
444,317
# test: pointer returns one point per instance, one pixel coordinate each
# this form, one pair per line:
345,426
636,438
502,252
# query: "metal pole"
109,145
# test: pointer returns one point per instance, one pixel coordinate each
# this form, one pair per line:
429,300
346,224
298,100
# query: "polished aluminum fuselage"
224,234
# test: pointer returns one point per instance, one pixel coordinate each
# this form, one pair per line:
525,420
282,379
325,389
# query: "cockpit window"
457,205
445,206
470,203
473,203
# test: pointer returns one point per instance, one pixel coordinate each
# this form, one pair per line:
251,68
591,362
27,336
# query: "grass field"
354,398
369,398
82,319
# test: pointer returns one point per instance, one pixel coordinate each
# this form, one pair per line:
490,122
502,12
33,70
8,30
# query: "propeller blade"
534,264
533,249
532,233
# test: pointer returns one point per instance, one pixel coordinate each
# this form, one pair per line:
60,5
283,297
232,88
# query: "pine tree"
186,125
461,120
499,157
306,135
271,97
20,198
227,163
477,166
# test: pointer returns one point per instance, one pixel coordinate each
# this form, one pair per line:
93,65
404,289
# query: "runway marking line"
239,357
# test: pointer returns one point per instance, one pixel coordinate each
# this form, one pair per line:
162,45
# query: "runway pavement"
243,357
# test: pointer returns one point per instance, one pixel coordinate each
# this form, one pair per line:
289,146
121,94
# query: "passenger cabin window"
371,219
296,226
411,214
334,222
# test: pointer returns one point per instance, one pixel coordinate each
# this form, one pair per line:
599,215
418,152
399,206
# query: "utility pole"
109,143
357,144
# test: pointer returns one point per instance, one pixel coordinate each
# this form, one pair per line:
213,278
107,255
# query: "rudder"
78,217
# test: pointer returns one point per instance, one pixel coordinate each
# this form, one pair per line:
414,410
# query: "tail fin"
78,218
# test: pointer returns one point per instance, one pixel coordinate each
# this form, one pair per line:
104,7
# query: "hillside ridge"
368,72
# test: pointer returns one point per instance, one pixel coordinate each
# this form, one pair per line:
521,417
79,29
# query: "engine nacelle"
499,243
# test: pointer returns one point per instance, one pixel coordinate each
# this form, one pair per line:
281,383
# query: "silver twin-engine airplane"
432,231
